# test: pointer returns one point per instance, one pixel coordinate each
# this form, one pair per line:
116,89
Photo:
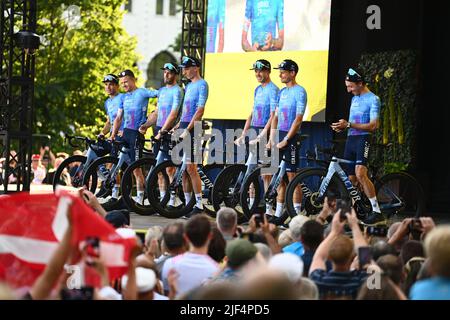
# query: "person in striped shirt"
341,282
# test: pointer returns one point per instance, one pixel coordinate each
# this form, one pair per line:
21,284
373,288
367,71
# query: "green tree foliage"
81,43
392,76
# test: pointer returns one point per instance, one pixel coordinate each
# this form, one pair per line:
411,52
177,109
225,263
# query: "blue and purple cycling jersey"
112,106
135,106
216,17
264,16
195,96
265,101
169,99
291,103
364,109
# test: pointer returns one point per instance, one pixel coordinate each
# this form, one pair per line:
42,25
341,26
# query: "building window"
128,6
173,7
155,77
159,7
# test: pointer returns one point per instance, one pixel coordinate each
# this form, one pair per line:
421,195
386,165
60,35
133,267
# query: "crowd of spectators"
322,257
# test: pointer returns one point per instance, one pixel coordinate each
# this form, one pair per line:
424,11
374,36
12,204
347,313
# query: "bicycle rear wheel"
400,196
309,180
70,172
224,192
129,186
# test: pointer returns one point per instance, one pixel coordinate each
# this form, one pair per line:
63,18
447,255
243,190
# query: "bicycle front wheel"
400,194
70,172
129,187
100,180
166,195
251,193
226,192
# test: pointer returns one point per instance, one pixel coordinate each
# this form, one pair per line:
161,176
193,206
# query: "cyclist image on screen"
263,18
363,121
215,26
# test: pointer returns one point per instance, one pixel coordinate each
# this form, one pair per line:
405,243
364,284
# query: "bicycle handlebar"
70,139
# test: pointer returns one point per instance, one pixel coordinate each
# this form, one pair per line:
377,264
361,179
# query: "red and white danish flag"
31,227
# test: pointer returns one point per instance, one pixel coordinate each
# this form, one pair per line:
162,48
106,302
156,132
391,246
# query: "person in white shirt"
38,169
194,267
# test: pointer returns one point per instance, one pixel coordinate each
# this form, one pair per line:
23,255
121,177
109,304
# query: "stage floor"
38,188
139,222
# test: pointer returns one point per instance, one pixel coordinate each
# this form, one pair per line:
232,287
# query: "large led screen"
241,31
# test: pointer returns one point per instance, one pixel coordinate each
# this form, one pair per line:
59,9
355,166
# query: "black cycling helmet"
354,76
128,73
288,65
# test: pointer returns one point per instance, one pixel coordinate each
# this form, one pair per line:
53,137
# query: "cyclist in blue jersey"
169,101
265,102
363,121
215,25
288,118
196,94
265,19
165,115
112,105
133,113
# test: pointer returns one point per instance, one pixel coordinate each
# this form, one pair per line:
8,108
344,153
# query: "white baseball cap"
289,263
145,279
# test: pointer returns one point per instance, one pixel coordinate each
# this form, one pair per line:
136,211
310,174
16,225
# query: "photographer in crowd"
340,282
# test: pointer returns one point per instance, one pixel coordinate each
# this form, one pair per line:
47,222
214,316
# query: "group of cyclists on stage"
277,116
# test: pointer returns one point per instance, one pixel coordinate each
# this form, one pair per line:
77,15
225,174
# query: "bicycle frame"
243,176
333,168
115,168
159,159
179,176
271,192
391,206
207,182
250,168
90,157
177,180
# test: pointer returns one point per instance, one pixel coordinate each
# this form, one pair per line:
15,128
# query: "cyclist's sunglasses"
171,67
259,65
186,60
110,78
352,72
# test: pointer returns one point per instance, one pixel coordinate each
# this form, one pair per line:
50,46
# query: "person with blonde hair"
437,250
341,282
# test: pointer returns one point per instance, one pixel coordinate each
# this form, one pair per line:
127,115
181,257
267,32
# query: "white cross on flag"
31,227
